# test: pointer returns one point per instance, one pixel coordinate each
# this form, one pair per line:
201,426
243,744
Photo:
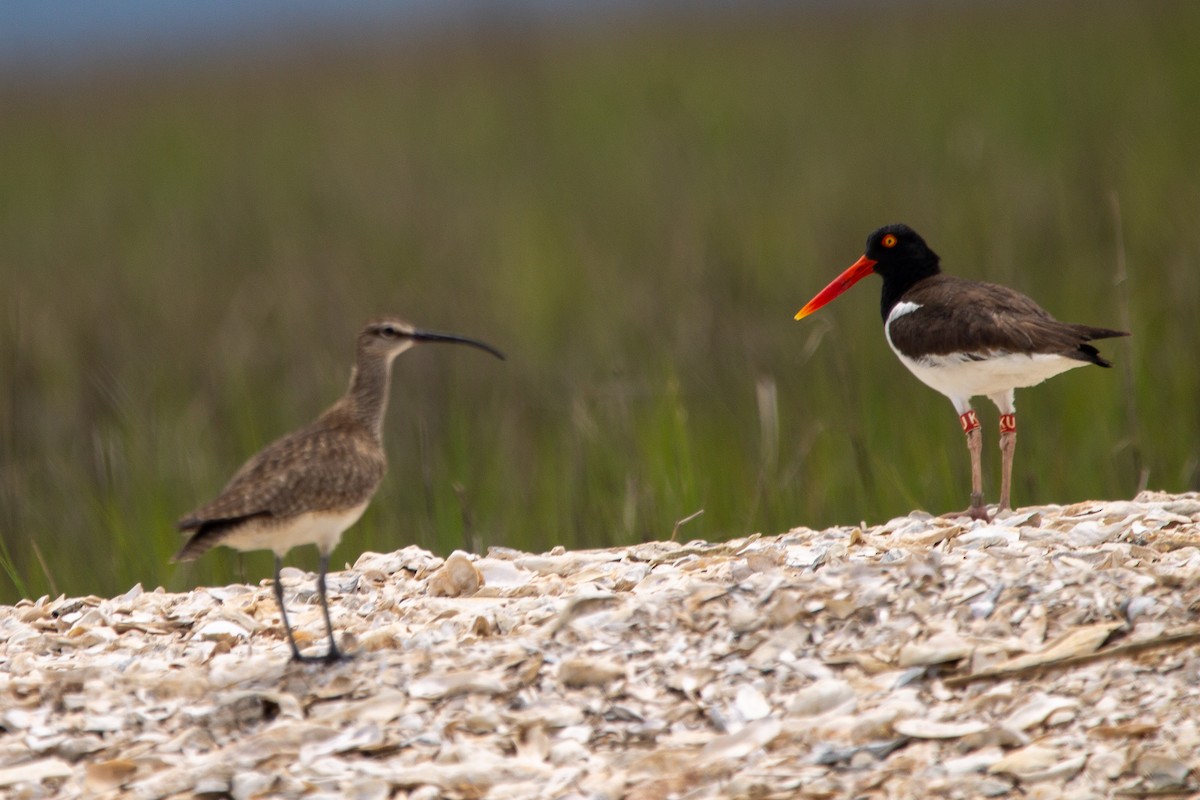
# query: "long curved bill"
434,336
855,273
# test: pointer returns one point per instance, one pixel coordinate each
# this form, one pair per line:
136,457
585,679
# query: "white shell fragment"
436,687
824,695
937,649
457,577
934,729
221,630
1026,760
1036,710
736,746
34,771
1053,652
751,704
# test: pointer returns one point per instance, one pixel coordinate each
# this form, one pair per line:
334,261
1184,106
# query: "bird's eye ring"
889,240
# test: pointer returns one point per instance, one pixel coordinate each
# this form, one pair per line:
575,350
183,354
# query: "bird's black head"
901,258
899,251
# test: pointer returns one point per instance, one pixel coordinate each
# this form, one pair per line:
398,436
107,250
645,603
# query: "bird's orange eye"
889,241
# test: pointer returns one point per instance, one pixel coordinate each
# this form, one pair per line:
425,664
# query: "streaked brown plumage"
311,485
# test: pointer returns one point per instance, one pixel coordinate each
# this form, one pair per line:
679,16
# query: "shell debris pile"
1054,652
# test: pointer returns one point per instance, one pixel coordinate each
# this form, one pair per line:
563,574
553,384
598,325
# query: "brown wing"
980,319
319,467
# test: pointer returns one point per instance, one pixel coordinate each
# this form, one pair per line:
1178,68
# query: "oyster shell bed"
1054,652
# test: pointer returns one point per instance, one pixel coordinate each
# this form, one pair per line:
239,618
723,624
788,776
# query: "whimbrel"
311,485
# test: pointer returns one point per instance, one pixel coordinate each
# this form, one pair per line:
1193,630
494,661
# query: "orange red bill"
853,274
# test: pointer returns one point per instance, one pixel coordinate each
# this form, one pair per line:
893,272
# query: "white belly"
324,529
961,378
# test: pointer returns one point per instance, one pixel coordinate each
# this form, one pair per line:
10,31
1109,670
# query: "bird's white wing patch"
902,308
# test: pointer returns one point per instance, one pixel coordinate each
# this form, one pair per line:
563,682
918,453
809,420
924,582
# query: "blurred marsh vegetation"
632,209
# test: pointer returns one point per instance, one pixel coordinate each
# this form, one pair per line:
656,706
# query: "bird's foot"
972,513
977,510
332,656
335,655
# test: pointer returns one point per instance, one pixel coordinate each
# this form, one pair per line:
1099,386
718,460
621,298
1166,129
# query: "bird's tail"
1088,333
204,535
1087,352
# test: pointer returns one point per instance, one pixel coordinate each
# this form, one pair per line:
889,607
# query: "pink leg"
970,426
1008,443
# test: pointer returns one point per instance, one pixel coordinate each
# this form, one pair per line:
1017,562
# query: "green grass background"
633,210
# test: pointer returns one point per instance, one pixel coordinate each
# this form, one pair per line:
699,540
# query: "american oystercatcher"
965,338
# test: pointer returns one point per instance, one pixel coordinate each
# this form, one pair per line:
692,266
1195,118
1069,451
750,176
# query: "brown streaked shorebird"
965,338
313,484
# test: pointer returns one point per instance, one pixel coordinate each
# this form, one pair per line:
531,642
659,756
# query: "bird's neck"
896,284
367,399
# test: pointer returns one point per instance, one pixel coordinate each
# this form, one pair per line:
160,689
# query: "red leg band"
1008,423
968,421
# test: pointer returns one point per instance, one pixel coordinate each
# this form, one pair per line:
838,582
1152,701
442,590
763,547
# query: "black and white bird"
965,338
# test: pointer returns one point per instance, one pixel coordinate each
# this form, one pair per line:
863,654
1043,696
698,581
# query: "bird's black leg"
334,654
283,611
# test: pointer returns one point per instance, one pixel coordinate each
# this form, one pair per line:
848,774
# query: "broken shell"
220,630
1162,772
938,649
246,785
587,672
738,745
977,761
502,574
989,536
1035,710
1027,761
436,687
936,729
822,696
457,577
108,775
35,771
751,704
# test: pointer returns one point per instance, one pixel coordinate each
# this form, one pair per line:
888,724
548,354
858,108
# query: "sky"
66,36
57,35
